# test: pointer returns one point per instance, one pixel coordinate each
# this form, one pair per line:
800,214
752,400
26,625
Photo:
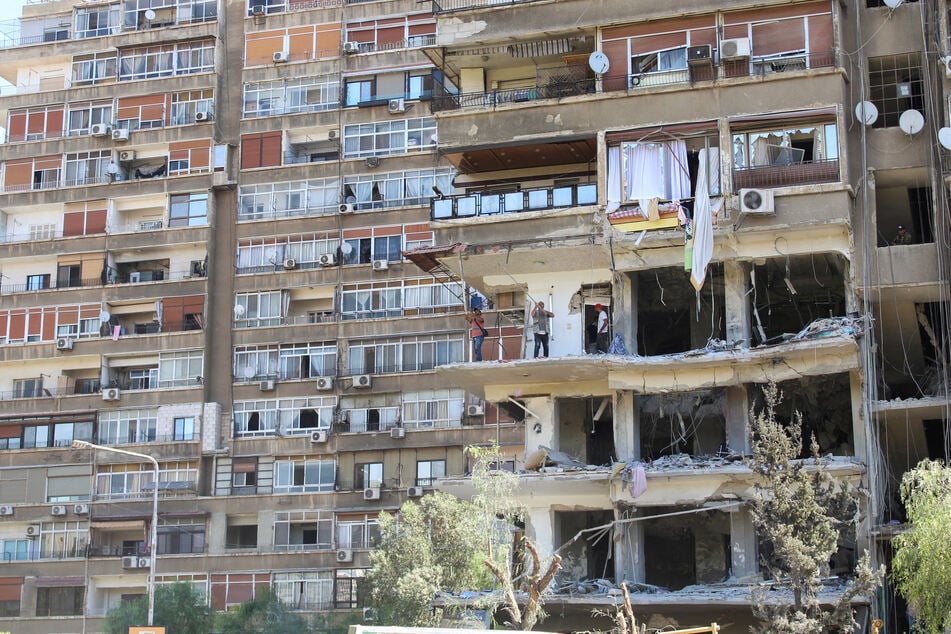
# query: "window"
419,85
305,361
412,354
261,150
179,369
244,476
255,418
428,471
255,362
66,601
184,429
433,408
895,85
27,388
365,250
304,476
368,475
791,155
346,588
660,61
185,105
68,483
96,22
188,210
94,68
303,530
357,532
385,138
258,310
242,536
62,540
83,168
37,282
394,189
148,62
81,117
359,90
181,537
272,200
305,590
55,435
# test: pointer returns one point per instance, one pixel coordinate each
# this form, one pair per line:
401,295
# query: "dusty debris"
544,457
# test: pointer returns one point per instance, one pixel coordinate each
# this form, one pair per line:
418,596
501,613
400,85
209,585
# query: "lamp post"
153,537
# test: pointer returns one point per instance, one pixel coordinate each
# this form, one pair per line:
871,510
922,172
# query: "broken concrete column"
858,426
625,292
736,275
627,433
539,527
744,560
736,412
541,431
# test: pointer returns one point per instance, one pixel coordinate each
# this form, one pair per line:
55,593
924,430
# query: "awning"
59,582
119,526
543,48
426,257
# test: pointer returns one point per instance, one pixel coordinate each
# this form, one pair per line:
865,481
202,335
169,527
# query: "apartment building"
203,209
752,192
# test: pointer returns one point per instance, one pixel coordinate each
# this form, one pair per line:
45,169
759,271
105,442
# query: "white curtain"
614,178
656,170
677,172
702,225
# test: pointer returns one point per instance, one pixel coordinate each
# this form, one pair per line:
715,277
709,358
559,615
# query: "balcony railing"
57,183
167,276
768,176
449,6
490,204
492,98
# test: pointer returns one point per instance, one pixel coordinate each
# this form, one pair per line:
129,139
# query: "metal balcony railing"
449,6
550,90
768,176
490,204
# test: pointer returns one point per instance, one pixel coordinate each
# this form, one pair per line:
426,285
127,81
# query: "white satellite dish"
893,4
911,122
248,372
944,138
238,311
866,112
104,316
345,248
149,15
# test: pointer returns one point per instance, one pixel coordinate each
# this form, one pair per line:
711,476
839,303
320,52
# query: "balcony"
492,204
770,176
562,81
450,6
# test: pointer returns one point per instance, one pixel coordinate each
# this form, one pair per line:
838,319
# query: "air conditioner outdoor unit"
64,343
371,493
325,383
99,129
127,155
380,265
6,510
757,201
80,509
280,57
267,386
475,410
135,277
700,55
58,511
142,562
738,48
333,134
397,432
318,436
111,394
257,10
202,116
344,555
120,134
414,492
327,259
345,208
290,264
397,106
32,530
373,161
130,562
351,47
362,380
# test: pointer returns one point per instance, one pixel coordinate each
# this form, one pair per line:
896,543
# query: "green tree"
802,514
180,607
265,614
436,544
922,565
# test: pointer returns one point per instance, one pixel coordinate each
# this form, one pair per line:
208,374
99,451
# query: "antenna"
911,122
866,112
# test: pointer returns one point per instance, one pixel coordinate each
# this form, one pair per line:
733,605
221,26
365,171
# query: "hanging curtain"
614,178
645,173
677,173
713,172
702,225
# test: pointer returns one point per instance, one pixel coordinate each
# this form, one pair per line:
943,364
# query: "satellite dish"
911,122
944,138
248,372
599,62
149,14
345,248
893,4
104,316
866,112
238,311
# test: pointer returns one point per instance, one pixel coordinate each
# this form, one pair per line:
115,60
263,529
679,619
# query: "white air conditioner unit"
397,432
371,493
142,562
380,265
362,380
290,264
58,511
202,116
32,530
333,134
6,510
120,134
111,394
397,106
344,555
127,155
280,57
99,129
64,343
345,208
257,10
135,277
130,562
80,509
327,259
318,436
373,161
351,47
738,48
267,386
757,201
414,492
325,383
475,410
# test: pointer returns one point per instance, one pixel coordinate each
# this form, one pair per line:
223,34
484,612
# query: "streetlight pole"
153,537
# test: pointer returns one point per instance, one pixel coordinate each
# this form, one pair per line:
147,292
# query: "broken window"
686,550
589,558
895,86
902,204
586,429
914,360
671,316
303,530
683,423
789,155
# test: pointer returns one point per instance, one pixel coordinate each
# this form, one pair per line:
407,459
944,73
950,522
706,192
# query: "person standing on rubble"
602,326
542,327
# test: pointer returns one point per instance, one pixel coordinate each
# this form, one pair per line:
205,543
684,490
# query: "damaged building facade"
751,193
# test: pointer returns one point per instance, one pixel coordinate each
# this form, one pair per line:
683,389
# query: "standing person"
602,341
903,236
542,327
477,331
